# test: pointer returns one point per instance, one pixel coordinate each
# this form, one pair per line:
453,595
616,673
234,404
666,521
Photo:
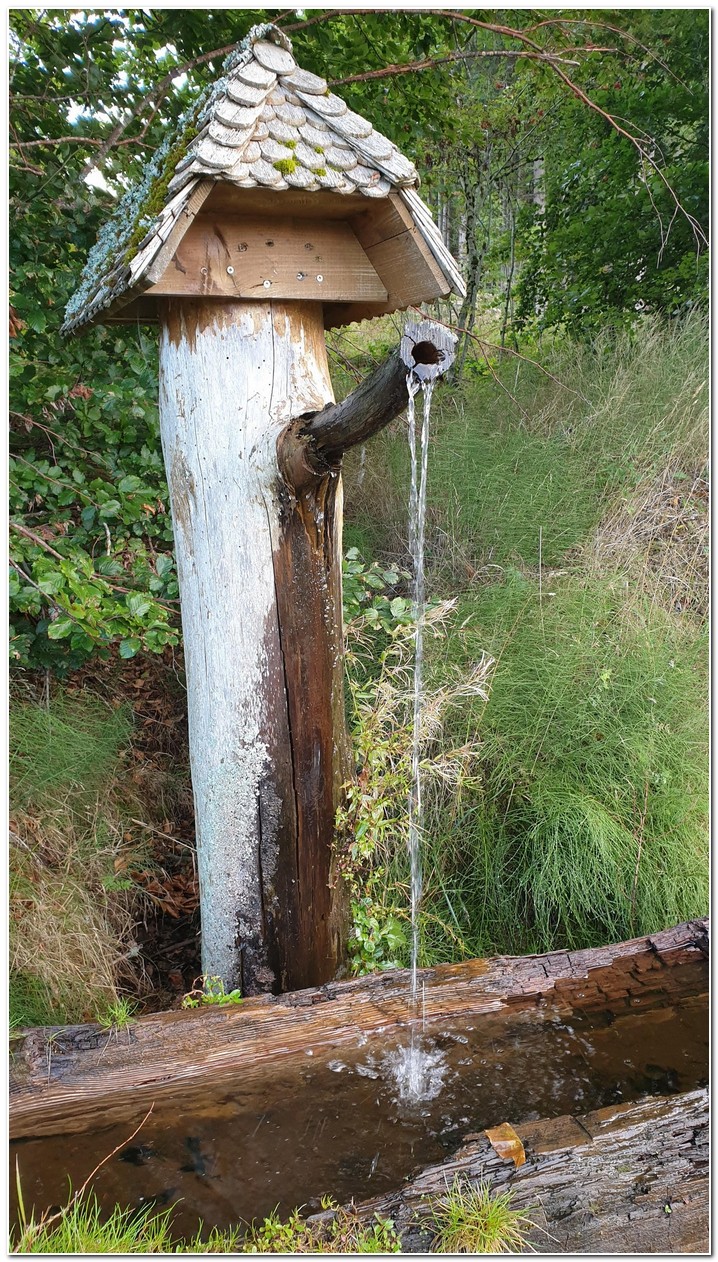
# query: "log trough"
598,1058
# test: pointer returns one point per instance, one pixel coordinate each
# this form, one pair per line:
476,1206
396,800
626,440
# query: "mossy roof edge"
108,260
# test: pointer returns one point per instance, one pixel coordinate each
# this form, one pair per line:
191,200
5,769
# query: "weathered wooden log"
65,1079
630,1178
426,351
258,543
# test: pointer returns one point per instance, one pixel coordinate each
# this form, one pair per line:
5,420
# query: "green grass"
591,821
81,1227
69,747
68,918
468,1219
538,452
118,1015
580,815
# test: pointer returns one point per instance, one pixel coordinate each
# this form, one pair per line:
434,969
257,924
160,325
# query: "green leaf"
109,566
138,605
163,565
51,584
60,628
128,648
110,508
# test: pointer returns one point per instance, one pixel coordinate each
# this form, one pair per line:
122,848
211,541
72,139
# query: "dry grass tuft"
72,906
659,538
70,935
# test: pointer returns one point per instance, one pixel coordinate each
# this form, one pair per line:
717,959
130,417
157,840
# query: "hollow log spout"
252,441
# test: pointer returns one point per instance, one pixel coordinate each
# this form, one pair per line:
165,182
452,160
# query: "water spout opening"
427,353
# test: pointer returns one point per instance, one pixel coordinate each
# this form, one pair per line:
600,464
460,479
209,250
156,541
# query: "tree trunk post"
252,442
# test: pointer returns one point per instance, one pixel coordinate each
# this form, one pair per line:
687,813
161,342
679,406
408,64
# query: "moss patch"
157,192
285,165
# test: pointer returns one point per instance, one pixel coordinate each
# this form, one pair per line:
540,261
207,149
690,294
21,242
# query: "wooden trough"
628,1176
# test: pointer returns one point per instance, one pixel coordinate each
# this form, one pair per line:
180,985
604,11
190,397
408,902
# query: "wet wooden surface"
631,1178
74,1078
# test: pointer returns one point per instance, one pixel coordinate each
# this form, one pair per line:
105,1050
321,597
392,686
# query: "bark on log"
63,1079
631,1178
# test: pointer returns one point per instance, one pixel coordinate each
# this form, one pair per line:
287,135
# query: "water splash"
418,1072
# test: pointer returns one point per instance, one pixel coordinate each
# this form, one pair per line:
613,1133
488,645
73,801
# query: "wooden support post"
257,519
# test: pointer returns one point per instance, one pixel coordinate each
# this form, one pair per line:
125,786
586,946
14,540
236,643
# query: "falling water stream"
418,1070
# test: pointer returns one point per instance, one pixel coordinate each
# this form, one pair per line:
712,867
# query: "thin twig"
503,350
428,63
102,578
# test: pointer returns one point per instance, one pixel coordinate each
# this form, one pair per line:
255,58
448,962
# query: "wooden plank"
382,219
185,219
60,1079
408,270
623,1179
400,254
239,257
338,314
228,199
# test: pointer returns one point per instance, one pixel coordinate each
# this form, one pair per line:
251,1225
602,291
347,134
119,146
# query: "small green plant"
118,1015
80,1226
377,941
209,989
339,1234
285,165
371,593
468,1219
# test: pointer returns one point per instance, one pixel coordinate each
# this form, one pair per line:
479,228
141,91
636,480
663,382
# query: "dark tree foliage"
612,239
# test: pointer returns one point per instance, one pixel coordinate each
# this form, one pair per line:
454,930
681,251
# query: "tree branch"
312,446
429,62
537,54
579,93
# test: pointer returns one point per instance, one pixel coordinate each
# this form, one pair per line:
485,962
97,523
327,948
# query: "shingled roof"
265,124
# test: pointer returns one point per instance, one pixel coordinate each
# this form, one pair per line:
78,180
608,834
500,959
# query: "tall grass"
567,512
517,449
70,918
591,822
